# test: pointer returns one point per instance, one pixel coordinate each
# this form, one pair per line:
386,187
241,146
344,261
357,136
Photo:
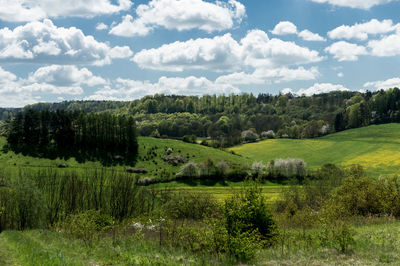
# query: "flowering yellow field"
376,148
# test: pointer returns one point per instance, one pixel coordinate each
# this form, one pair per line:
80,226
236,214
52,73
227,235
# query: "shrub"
247,212
86,225
270,134
289,167
189,138
222,168
257,168
207,168
190,206
189,170
249,136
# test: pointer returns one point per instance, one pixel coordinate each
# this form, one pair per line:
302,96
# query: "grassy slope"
374,245
154,165
376,147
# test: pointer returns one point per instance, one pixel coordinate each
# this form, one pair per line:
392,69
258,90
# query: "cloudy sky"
55,50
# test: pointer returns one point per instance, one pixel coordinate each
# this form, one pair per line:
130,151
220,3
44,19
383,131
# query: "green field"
376,148
222,191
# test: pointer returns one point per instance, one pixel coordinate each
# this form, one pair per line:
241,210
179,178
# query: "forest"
225,119
103,137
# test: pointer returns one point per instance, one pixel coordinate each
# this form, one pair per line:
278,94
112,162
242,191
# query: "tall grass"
39,199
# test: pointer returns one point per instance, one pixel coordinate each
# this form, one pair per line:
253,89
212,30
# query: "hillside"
376,148
151,154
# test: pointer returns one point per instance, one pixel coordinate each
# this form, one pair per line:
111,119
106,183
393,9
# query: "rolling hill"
151,154
376,148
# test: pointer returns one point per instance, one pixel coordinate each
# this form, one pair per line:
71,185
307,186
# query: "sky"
56,50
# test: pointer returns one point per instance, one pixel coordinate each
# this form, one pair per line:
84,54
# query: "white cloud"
363,30
53,79
64,76
362,4
43,42
284,28
387,46
340,75
267,76
319,88
383,84
127,89
101,26
181,15
310,36
29,10
259,51
223,54
344,51
287,27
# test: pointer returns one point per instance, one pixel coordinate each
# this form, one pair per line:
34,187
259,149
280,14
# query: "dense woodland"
104,137
225,118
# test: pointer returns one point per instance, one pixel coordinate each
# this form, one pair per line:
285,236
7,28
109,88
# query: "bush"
207,168
270,134
257,168
289,167
189,138
222,168
190,206
249,136
86,225
189,170
247,212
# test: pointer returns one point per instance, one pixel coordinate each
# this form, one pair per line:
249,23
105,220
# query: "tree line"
108,138
224,118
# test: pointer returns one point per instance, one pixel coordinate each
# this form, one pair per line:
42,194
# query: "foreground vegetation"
375,147
375,244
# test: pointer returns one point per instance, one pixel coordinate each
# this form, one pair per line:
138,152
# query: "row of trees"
104,137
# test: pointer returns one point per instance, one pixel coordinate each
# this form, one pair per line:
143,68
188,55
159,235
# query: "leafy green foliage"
103,137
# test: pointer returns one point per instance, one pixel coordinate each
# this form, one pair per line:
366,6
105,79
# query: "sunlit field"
376,148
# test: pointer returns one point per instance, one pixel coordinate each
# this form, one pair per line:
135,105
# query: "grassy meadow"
376,148
151,153
375,244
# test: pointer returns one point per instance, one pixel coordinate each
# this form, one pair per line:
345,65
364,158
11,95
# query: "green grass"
42,247
375,244
376,148
154,163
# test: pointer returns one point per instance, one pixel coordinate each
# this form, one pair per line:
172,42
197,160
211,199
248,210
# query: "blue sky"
53,50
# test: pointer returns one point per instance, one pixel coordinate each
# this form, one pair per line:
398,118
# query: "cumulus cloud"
383,84
319,88
223,53
43,42
101,26
363,30
387,46
28,10
311,37
287,27
53,79
361,4
128,89
267,76
344,51
284,28
64,76
181,15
